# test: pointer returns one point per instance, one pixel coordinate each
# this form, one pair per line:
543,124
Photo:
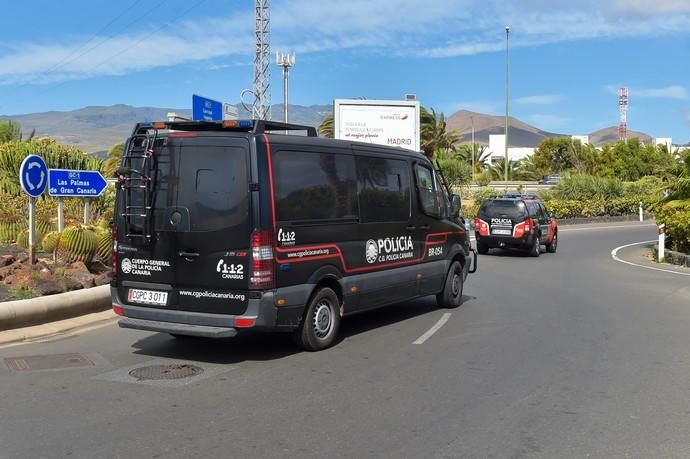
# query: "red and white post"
662,241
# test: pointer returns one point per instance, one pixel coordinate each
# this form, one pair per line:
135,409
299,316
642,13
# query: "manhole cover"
165,372
47,362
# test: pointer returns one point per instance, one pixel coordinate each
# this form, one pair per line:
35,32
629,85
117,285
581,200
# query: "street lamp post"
506,122
285,60
472,120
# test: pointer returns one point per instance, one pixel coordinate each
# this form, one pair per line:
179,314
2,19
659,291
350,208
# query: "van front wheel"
321,322
451,295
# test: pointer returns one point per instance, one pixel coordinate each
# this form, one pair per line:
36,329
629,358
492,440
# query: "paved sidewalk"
642,255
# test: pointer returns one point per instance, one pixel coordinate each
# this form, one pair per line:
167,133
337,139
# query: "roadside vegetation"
88,245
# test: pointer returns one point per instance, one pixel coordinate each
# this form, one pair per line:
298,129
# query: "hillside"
95,129
520,134
610,135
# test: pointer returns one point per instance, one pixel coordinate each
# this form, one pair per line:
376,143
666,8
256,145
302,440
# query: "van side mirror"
455,204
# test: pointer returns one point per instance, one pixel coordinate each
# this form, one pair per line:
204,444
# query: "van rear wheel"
321,322
451,295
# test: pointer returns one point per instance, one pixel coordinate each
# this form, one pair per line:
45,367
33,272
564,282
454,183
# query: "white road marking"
614,255
607,227
441,322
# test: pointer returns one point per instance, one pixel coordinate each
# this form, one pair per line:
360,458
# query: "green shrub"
588,187
677,221
484,178
482,194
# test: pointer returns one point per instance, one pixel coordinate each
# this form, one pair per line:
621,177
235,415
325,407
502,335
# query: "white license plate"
506,232
147,297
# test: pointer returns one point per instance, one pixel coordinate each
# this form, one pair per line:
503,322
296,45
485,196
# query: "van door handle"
188,254
425,227
411,228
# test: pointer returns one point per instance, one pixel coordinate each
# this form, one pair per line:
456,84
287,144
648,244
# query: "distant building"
668,141
497,144
584,139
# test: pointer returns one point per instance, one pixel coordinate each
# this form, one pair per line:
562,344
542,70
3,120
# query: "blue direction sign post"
204,109
33,177
75,184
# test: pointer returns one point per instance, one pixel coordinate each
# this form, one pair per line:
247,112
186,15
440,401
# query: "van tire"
321,321
482,248
451,295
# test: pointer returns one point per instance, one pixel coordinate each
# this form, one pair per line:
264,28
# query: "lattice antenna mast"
261,109
623,109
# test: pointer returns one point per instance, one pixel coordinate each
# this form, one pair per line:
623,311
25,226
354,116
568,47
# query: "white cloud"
669,92
438,29
543,99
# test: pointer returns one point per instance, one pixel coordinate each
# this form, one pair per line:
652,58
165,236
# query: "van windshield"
503,208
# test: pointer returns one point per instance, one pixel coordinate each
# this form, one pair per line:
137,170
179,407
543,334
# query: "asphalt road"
569,355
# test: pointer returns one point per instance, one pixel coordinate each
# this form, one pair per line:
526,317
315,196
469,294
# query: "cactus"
23,239
77,243
51,241
9,231
105,247
45,226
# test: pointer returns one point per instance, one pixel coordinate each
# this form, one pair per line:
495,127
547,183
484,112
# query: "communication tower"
261,107
623,109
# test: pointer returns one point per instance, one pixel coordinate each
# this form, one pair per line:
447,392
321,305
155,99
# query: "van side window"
428,197
314,186
384,189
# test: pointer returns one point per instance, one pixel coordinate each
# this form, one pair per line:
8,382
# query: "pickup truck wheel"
451,295
321,322
553,245
535,249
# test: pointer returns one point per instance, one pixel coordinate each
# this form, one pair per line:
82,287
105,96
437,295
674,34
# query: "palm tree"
326,127
678,190
12,131
516,170
112,161
481,156
434,132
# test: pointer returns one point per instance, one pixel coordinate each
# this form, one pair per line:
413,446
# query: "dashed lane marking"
441,322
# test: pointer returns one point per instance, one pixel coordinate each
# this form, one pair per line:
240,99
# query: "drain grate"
165,372
47,362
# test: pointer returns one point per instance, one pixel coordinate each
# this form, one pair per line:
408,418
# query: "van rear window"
503,208
213,186
312,186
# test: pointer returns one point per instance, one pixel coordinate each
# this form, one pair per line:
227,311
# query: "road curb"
51,329
34,311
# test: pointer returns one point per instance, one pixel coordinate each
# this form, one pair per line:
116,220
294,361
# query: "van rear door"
212,224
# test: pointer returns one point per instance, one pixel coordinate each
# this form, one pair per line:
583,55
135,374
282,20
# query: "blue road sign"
78,184
33,175
204,109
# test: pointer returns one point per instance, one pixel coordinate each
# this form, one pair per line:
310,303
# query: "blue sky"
566,57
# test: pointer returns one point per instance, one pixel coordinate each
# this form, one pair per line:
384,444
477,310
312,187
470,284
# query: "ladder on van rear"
140,148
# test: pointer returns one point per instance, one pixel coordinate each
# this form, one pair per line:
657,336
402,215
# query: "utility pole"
507,97
285,60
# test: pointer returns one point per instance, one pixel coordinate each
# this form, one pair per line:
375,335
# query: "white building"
497,144
584,139
668,141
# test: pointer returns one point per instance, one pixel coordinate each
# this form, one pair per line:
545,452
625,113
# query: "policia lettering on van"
221,226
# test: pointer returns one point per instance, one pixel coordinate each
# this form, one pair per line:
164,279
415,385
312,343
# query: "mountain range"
95,129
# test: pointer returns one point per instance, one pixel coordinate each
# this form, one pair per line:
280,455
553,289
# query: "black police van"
222,226
518,221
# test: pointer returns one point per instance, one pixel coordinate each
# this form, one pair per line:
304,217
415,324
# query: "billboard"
382,122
